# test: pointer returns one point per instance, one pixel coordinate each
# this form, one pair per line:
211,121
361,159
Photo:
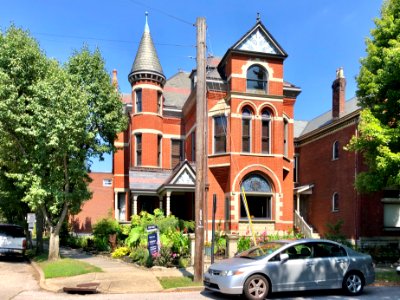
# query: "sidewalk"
117,276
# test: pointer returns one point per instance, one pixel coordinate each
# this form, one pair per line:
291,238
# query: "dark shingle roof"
177,90
304,127
146,60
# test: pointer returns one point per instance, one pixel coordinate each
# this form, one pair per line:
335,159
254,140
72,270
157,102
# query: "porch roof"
303,189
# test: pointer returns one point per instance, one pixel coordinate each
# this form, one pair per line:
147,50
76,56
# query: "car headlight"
231,272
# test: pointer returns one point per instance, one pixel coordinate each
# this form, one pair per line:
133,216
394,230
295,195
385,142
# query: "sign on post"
31,219
153,240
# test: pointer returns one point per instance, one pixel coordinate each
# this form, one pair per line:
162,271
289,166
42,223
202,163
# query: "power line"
106,40
163,12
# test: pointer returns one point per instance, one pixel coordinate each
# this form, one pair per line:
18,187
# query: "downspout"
356,211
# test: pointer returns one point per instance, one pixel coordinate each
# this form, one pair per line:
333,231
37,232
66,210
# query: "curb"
42,281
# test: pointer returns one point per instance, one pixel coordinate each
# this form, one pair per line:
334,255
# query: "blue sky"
318,35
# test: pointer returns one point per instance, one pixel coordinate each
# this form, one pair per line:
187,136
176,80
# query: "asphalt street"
19,281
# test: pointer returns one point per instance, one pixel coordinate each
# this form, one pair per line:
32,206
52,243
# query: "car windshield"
262,250
11,230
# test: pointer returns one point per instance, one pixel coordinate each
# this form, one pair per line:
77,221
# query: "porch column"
168,208
160,198
298,203
135,204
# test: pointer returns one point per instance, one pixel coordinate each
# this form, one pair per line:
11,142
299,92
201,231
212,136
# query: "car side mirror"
284,257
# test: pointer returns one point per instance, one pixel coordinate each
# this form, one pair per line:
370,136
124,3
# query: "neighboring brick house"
250,137
325,175
98,207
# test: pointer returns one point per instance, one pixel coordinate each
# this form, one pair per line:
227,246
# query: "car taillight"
24,244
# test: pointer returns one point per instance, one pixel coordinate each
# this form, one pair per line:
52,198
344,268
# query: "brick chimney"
338,94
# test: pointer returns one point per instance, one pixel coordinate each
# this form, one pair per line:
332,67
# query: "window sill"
258,220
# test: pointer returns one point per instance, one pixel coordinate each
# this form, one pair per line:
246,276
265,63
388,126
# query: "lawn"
389,277
177,282
65,267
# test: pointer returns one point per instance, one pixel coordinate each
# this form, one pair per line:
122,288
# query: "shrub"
244,243
141,256
164,258
120,252
101,232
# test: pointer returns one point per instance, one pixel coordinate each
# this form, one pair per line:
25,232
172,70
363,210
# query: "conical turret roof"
146,64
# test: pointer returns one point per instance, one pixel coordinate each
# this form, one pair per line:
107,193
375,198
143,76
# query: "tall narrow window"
193,146
159,143
138,96
220,134
159,102
246,129
335,150
285,137
296,168
257,78
138,149
335,202
265,132
176,152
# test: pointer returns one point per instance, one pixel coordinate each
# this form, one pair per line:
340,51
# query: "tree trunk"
54,244
39,231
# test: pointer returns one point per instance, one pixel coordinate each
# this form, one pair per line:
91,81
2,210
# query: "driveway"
16,277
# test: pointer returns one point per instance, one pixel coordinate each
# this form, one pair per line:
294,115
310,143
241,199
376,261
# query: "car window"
261,250
328,250
13,231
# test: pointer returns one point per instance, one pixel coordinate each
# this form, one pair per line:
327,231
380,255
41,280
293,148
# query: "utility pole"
201,153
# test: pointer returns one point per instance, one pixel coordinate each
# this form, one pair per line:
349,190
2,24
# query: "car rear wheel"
353,284
256,287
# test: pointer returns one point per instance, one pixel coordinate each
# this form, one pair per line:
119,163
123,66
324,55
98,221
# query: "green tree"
53,120
379,97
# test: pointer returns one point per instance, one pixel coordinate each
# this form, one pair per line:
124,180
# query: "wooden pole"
200,149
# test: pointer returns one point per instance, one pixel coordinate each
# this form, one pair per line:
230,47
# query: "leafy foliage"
53,120
379,96
120,252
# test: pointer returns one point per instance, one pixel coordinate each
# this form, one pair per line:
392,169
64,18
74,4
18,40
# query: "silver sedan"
282,266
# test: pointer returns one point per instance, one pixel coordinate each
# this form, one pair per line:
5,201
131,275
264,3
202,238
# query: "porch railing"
304,228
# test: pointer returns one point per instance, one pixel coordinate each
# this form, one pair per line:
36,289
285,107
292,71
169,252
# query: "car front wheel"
353,284
256,287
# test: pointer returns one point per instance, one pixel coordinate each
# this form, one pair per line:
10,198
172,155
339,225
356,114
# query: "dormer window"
257,78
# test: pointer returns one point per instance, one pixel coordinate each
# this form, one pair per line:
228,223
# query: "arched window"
335,202
257,78
335,150
266,131
258,198
246,129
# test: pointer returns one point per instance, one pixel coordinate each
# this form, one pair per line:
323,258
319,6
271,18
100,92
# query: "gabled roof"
257,42
258,39
182,177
